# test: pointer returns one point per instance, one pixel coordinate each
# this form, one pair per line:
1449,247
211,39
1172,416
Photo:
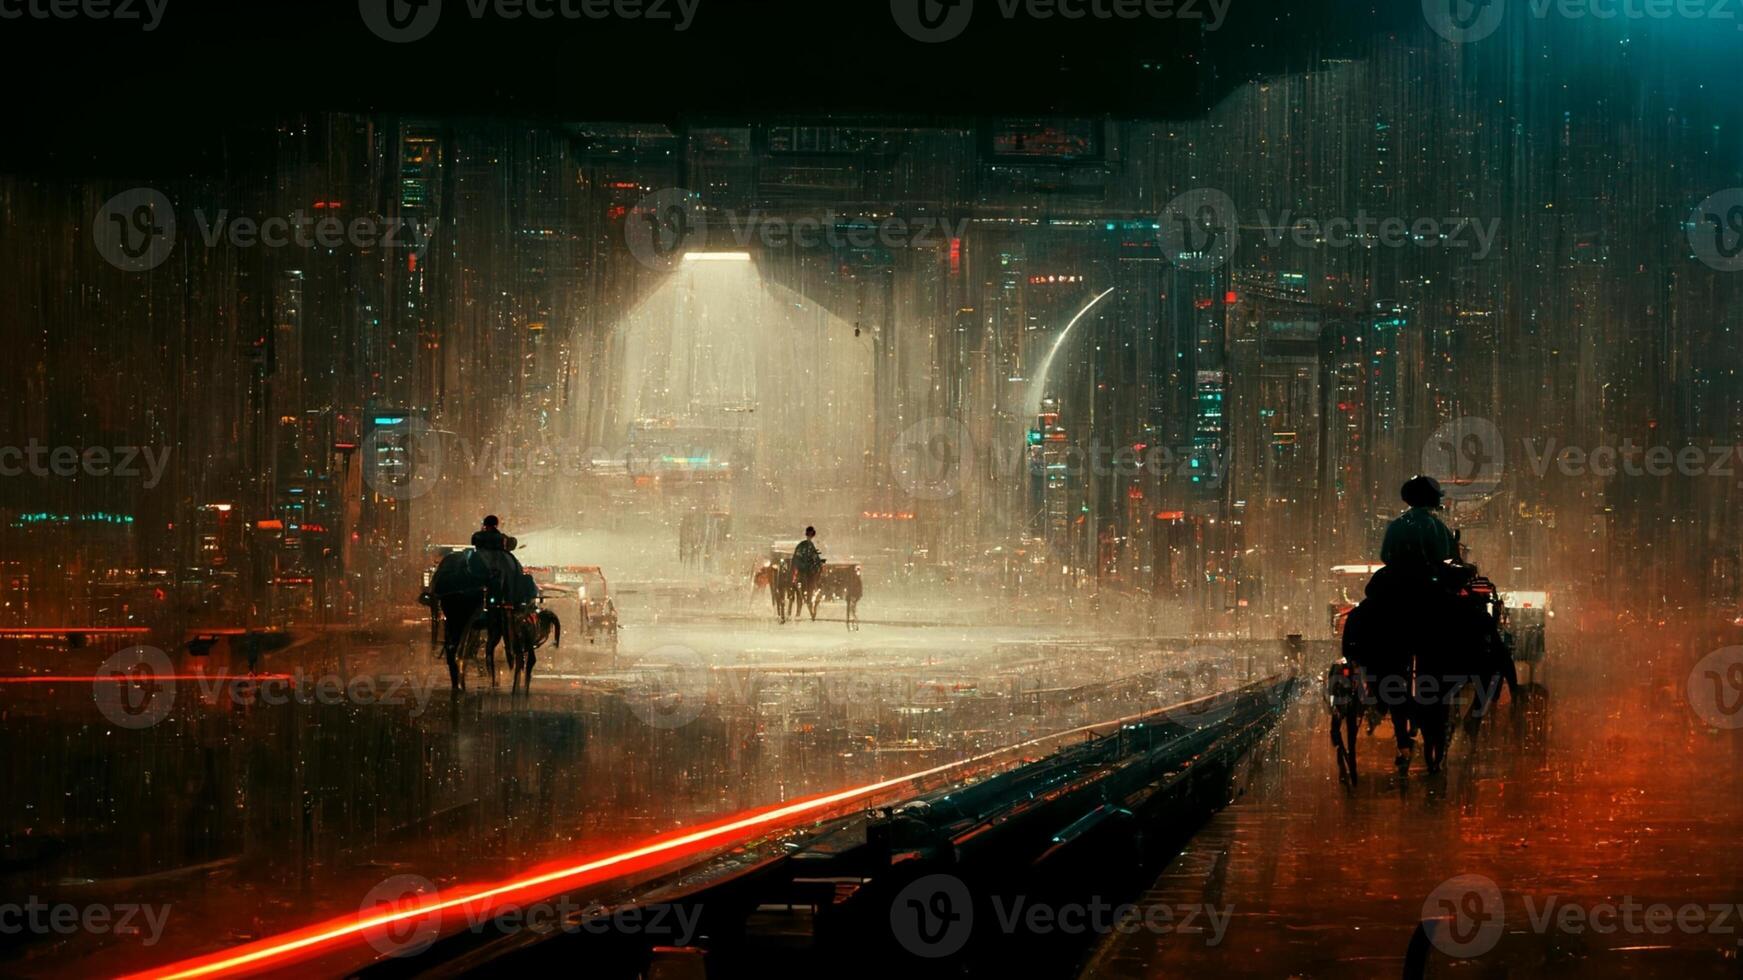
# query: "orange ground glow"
476,901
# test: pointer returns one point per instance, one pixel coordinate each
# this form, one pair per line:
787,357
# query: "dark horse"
807,589
1373,679
777,574
1416,650
843,581
533,625
466,591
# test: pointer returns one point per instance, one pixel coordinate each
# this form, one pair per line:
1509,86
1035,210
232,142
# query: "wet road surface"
252,808
1595,834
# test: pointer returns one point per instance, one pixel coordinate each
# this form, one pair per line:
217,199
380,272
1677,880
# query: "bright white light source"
716,256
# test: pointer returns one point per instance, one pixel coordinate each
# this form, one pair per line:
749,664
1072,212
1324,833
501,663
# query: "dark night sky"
89,95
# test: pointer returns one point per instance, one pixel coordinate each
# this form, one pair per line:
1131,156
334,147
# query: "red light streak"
13,632
482,900
142,678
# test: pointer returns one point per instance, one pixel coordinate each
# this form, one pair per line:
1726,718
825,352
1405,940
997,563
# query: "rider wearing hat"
1411,593
1417,537
490,536
1415,546
493,549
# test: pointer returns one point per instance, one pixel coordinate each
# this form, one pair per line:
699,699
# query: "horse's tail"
556,628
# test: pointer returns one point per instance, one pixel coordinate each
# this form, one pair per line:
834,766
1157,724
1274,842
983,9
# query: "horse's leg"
496,634
1337,741
529,643
518,651
457,619
1402,710
456,680
1343,740
1352,719
1435,716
